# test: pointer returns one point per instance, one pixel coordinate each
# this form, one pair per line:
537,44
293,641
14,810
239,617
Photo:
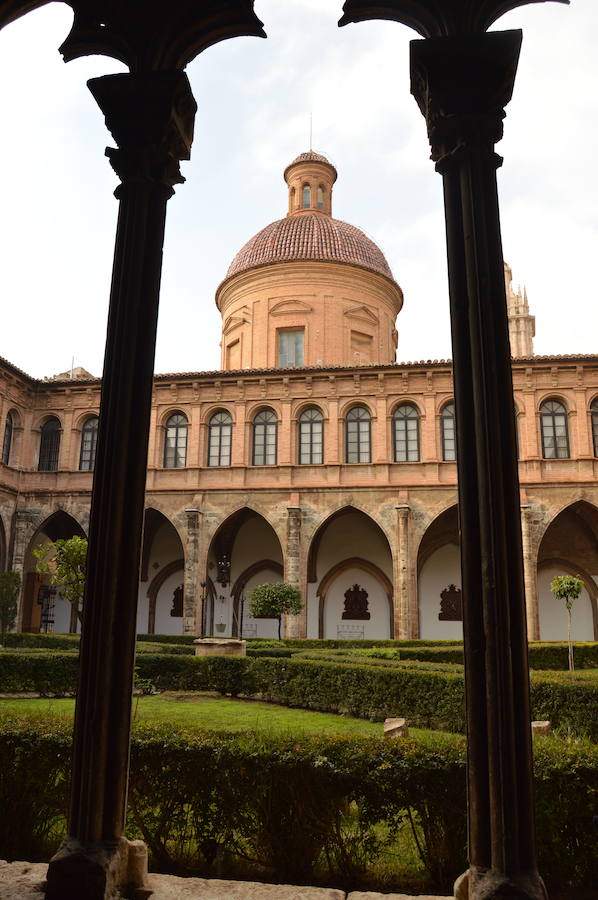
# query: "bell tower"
522,326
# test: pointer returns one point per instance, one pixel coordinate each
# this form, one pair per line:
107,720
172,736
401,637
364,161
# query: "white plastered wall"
553,613
441,569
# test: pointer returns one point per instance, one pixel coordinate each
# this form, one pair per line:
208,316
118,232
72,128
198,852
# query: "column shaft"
294,626
194,594
461,85
530,574
150,117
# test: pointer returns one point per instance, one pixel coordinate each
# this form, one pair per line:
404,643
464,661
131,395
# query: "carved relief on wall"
177,603
356,603
451,604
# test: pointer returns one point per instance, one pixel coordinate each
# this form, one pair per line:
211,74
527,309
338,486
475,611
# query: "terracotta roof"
312,236
310,156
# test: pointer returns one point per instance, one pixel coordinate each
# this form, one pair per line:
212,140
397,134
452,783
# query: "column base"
486,884
99,871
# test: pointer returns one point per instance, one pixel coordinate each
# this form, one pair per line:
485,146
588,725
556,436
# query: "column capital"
461,85
150,116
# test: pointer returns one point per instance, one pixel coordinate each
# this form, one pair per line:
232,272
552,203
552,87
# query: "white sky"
255,96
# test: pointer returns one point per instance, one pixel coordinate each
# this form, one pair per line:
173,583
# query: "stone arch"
237,591
354,562
439,570
349,540
42,607
243,545
569,545
162,556
171,568
320,527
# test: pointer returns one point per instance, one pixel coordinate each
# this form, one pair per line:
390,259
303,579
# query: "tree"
65,561
567,588
273,601
10,582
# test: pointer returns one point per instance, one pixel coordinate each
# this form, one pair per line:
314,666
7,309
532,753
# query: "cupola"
308,290
310,178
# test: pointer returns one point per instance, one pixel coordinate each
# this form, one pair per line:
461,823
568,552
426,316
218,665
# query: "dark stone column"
294,626
193,600
461,85
151,118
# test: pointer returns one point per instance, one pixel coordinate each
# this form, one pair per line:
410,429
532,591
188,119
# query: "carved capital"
462,85
151,117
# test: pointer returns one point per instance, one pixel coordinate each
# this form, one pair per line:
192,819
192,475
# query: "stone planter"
220,647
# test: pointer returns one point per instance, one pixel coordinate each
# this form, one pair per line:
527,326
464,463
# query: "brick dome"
310,236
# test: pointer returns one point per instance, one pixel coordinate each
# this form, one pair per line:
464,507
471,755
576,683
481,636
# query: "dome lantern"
310,178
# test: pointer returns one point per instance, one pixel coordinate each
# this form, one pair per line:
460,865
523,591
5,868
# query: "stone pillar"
403,628
294,626
530,574
461,84
151,116
23,527
193,593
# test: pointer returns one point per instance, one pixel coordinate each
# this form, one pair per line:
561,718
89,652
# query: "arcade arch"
570,547
439,573
349,591
160,600
245,551
43,609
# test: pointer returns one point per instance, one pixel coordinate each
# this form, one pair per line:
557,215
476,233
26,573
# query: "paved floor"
24,881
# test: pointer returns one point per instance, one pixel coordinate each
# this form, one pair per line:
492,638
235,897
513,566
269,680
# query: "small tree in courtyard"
274,601
10,582
65,561
567,588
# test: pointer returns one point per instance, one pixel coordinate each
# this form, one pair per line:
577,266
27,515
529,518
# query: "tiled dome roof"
310,236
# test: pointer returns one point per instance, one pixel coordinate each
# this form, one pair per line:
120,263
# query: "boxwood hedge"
429,695
310,809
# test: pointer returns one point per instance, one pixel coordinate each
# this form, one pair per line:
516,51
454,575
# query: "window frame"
284,333
9,427
548,429
397,419
306,194
49,445
594,424
170,456
216,430
351,418
269,426
302,421
89,465
448,454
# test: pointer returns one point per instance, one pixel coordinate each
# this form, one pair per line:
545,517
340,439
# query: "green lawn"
223,714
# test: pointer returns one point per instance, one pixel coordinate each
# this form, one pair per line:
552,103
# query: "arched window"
311,437
448,431
220,430
89,440
555,434
49,446
6,443
594,410
306,196
175,442
320,196
358,435
406,433
265,428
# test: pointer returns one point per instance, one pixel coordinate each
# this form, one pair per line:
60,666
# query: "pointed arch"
320,530
177,565
439,571
3,547
354,562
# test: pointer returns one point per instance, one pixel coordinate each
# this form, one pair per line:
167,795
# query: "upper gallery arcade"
312,455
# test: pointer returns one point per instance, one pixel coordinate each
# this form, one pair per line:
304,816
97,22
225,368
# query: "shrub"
310,809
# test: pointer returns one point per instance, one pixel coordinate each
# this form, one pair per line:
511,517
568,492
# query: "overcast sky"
255,98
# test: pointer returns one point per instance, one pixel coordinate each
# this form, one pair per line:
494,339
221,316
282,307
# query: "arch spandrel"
146,35
434,18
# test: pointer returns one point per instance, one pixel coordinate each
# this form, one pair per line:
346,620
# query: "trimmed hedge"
429,695
312,809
